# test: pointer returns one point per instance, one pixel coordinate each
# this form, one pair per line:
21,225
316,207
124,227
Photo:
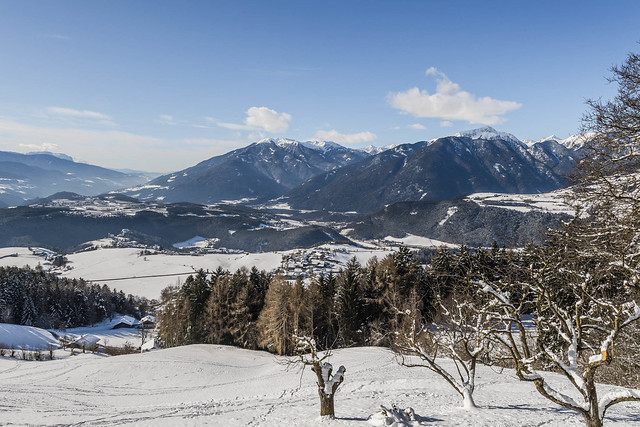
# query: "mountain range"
325,176
415,188
261,171
483,160
24,177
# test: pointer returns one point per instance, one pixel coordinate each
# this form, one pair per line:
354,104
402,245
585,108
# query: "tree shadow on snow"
419,418
351,419
610,416
526,407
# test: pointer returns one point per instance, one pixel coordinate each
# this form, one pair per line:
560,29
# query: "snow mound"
27,337
395,417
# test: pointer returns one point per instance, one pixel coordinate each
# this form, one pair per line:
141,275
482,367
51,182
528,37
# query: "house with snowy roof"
125,322
147,322
86,341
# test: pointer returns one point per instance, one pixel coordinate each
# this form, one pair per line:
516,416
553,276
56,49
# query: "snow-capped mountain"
573,142
261,171
482,160
373,150
27,176
488,133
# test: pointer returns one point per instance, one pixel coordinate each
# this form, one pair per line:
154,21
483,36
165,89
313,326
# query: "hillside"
67,223
217,385
458,221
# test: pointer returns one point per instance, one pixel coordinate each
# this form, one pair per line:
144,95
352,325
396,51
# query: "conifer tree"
274,323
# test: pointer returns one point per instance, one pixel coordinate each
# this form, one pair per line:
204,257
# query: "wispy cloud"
260,119
446,124
417,126
450,102
234,126
113,148
345,138
84,114
166,119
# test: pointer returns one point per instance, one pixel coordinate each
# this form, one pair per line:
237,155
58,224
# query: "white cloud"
345,138
446,124
417,126
81,114
259,119
450,102
267,119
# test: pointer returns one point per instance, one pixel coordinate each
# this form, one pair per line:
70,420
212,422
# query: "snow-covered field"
106,264
224,386
551,202
413,241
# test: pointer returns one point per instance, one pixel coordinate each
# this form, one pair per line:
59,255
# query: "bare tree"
566,317
327,380
608,170
459,333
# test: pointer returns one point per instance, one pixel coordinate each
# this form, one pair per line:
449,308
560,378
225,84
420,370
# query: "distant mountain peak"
314,145
373,150
277,141
573,142
488,133
49,153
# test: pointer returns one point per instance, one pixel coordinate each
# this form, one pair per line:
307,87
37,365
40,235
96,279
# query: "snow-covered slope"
27,337
224,386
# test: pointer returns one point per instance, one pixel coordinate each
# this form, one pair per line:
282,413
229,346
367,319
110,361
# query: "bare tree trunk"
592,421
326,404
467,395
327,383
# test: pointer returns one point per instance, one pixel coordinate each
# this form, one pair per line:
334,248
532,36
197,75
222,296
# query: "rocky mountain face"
259,172
27,176
478,161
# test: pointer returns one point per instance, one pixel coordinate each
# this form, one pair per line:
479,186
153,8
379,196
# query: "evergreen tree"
274,325
350,305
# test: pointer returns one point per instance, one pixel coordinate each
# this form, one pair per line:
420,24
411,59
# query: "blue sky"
162,85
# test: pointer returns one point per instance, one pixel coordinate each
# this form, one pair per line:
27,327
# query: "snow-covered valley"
147,275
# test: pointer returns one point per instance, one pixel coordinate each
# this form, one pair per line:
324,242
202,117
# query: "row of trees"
33,297
357,306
